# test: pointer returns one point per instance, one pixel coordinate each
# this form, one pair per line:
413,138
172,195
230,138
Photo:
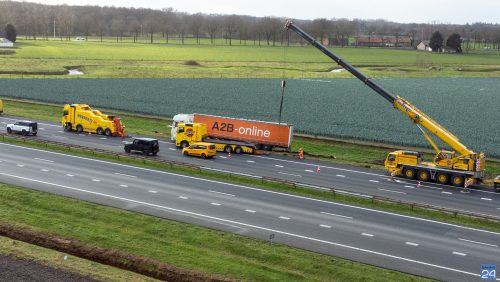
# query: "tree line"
38,21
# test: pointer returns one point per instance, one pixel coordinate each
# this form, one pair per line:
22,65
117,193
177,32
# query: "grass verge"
72,264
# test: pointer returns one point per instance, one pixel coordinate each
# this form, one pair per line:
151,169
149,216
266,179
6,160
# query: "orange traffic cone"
318,169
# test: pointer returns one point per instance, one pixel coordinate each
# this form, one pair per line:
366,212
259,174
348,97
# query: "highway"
348,178
422,247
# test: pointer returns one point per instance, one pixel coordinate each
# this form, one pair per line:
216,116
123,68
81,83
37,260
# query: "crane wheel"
443,178
423,175
238,150
457,180
409,173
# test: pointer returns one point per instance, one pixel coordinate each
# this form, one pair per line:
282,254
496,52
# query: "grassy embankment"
111,59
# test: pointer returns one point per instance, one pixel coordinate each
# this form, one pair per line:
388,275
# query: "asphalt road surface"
348,178
422,247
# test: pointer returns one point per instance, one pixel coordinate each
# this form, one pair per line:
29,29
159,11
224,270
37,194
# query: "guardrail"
263,179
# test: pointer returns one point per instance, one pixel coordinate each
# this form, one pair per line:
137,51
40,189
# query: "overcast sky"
403,11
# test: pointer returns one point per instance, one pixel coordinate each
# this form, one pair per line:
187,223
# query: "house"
384,41
5,43
424,46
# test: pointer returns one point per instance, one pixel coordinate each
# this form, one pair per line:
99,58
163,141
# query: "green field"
111,59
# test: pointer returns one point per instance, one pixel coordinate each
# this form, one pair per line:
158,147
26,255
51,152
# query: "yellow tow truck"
461,167
81,118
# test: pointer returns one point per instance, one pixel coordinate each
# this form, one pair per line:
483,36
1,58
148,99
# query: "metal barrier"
263,179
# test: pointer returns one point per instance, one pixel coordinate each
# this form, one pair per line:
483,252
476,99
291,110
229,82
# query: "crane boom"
413,113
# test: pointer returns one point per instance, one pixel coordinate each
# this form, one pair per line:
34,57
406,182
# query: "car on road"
144,145
25,127
496,183
200,149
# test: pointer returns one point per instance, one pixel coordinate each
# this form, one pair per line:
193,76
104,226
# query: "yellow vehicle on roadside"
1,106
496,184
200,149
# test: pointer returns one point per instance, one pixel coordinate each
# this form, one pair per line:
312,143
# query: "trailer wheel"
267,147
443,178
107,132
79,128
409,173
423,175
238,150
99,131
227,149
457,180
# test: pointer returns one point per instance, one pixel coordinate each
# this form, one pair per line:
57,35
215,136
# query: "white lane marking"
3,122
60,131
183,197
250,211
278,165
338,215
123,185
215,204
411,244
172,149
315,165
61,137
44,160
103,138
248,161
448,193
125,141
70,175
222,157
253,189
284,173
127,175
375,181
96,180
153,191
325,226
308,170
212,191
408,186
41,128
44,170
340,175
367,234
284,217
459,254
255,226
392,191
20,165
486,199
476,242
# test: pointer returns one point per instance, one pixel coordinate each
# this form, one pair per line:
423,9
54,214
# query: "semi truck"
461,167
81,118
230,134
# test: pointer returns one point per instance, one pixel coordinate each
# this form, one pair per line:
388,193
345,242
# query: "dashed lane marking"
123,185
412,244
367,234
308,170
70,175
325,226
44,160
96,180
284,217
391,191
459,254
340,175
338,215
153,191
226,194
126,175
486,199
375,181
215,204
278,165
284,173
447,193
250,211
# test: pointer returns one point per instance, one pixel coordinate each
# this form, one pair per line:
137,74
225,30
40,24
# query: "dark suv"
145,145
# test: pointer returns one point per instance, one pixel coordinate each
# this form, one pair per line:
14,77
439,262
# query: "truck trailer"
231,131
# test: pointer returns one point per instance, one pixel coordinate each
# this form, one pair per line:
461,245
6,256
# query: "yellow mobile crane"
461,167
